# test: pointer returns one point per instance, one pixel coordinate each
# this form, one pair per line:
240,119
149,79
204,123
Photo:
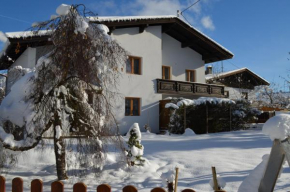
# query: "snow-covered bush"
135,148
216,114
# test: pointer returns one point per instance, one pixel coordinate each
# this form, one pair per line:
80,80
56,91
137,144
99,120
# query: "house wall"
27,59
180,59
236,93
146,45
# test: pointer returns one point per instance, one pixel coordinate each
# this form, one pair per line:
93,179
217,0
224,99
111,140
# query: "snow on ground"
234,154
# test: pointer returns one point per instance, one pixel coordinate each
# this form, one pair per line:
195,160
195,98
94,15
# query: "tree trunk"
59,150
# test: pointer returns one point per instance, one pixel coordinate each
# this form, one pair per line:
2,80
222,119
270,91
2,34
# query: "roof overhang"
189,37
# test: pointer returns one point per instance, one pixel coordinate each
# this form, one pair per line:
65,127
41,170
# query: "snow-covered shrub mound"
188,132
135,148
168,179
221,182
277,127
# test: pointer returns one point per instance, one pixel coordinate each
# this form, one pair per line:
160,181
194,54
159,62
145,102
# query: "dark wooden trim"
142,28
190,88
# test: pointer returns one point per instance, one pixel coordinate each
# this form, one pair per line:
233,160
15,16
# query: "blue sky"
256,31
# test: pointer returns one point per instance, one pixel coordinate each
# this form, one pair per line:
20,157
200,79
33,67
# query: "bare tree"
72,89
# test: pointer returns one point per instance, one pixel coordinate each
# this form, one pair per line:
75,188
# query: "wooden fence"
58,186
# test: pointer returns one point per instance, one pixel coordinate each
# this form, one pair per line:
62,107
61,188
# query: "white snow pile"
278,127
63,9
171,105
5,41
16,106
221,182
199,101
252,182
188,132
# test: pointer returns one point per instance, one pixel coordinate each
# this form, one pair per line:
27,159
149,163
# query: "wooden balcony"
189,88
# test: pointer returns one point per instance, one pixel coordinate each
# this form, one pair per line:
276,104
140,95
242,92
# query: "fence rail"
58,186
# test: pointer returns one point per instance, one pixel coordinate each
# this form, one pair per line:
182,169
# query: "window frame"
131,106
163,72
187,75
131,59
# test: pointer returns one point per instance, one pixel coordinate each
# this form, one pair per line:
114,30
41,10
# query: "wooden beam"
168,27
142,28
189,43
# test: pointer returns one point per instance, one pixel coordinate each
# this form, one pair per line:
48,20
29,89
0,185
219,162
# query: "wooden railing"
58,186
189,88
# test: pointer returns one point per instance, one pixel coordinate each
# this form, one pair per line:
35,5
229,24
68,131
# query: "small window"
190,75
245,95
133,65
132,106
166,72
227,94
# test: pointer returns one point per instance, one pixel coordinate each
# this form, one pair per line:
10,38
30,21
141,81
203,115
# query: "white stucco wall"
180,59
26,59
236,93
146,45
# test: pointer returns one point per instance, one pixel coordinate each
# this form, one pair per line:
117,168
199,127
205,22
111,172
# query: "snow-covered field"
235,155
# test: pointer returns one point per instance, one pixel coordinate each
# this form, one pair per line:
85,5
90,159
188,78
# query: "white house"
238,83
166,58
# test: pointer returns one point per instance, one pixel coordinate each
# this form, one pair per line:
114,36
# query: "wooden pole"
176,179
215,183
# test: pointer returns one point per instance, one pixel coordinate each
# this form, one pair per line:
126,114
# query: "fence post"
2,184
80,187
104,188
17,185
130,188
57,186
158,189
36,185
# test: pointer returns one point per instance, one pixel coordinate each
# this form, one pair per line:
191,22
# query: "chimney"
208,70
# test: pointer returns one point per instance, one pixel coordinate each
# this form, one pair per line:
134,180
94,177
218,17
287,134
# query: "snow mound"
188,132
277,127
171,105
220,180
63,9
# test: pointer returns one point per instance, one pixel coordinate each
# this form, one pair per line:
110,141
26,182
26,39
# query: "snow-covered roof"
136,18
25,34
233,72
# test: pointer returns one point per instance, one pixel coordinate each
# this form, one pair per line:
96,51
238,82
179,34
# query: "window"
190,75
245,95
133,65
227,94
132,106
166,72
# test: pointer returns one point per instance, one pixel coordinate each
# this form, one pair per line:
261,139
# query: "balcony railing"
190,88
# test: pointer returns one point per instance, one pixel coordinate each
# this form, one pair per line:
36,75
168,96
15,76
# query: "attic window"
133,65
